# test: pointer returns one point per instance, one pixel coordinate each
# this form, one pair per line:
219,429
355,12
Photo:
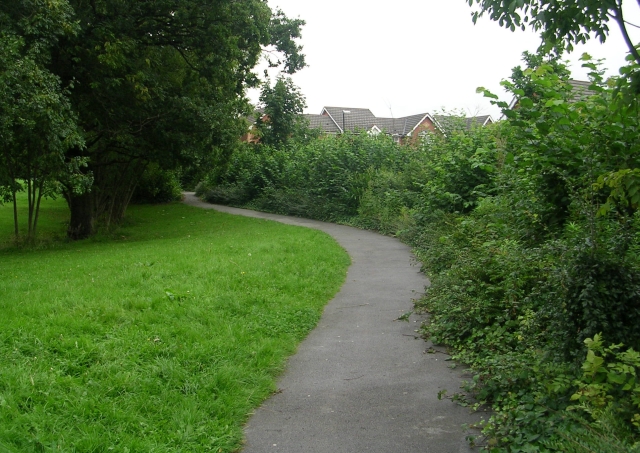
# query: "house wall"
414,138
250,138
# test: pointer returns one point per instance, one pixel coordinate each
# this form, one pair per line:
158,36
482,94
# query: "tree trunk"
15,214
82,222
37,214
107,201
30,203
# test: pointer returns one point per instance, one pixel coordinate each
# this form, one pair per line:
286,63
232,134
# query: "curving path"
361,381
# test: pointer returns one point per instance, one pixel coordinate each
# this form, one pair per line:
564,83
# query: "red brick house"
407,129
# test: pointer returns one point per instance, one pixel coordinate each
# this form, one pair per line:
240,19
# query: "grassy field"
160,337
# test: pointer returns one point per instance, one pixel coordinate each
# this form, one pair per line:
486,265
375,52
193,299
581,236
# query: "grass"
161,337
51,228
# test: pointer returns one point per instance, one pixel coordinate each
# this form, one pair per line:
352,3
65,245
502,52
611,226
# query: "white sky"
403,57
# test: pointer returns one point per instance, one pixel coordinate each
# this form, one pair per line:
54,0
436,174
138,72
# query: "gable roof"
322,122
354,118
469,122
404,125
481,120
358,118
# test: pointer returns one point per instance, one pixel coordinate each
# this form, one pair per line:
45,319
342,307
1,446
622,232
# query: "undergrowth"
529,232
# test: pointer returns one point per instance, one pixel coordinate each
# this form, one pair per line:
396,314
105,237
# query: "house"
580,90
406,129
337,120
252,135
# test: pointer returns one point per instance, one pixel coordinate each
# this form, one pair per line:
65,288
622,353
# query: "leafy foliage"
158,82
529,231
561,24
37,123
282,120
157,186
325,178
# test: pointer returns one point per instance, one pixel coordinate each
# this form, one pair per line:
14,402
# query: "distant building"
406,129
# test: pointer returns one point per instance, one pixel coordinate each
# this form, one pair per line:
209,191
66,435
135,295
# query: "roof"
332,120
469,122
402,126
323,122
364,119
354,118
580,90
481,120
257,113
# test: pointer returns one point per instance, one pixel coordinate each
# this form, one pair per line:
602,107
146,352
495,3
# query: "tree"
155,81
283,104
37,124
562,23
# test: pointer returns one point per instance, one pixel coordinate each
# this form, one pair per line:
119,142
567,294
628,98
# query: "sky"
404,57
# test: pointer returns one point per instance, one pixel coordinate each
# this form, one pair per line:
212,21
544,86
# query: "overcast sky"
403,57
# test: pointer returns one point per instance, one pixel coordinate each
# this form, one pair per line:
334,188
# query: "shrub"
157,186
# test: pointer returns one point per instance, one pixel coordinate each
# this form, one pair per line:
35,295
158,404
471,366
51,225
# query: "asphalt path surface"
362,381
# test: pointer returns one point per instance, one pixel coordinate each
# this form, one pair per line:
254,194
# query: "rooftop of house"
335,120
323,122
580,89
351,119
468,123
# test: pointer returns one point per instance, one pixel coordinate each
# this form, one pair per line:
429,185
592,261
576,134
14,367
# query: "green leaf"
526,103
615,378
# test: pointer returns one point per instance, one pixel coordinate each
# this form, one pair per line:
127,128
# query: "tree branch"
186,60
629,23
625,34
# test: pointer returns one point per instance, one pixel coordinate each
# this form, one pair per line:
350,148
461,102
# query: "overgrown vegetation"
529,232
160,336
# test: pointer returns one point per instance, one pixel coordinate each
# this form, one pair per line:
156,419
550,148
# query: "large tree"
37,124
158,81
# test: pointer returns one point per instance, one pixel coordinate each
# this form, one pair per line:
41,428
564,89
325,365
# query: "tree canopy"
561,23
37,122
158,81
283,104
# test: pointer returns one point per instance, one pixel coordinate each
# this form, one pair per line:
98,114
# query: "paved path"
361,381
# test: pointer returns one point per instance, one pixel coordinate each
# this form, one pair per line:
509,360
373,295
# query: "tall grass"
161,337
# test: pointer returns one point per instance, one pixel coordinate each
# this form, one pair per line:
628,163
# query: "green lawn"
161,337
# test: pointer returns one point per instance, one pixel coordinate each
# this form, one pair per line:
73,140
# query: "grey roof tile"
331,120
580,90
354,118
323,123
400,126
469,122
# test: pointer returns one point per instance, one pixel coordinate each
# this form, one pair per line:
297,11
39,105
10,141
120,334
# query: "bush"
528,231
157,186
324,178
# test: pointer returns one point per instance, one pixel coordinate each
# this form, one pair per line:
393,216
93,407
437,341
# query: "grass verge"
160,338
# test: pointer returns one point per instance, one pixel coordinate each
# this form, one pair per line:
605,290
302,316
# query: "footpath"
362,381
